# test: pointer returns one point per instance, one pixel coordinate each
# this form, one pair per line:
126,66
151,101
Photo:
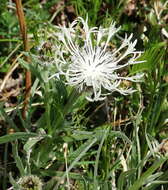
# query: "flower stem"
67,108
47,107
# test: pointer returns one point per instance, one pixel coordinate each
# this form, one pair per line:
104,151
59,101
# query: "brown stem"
23,30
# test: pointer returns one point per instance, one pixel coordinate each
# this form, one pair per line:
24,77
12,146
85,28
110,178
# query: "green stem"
71,99
47,107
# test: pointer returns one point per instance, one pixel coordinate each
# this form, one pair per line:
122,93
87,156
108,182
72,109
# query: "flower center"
92,74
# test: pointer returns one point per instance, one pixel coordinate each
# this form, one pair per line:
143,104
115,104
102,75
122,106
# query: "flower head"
30,182
90,63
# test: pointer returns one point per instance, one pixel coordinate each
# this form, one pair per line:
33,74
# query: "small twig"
65,148
56,13
7,58
119,122
23,30
9,110
13,67
97,109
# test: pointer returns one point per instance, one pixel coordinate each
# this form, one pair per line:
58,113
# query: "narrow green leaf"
7,118
90,143
13,182
100,131
138,183
105,134
33,69
123,178
31,142
15,136
151,57
17,158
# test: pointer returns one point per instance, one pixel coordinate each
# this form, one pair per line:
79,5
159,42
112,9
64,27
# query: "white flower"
91,64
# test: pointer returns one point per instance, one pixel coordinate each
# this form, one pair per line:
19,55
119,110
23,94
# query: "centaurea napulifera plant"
87,62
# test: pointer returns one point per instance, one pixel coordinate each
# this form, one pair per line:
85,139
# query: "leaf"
75,153
33,140
7,118
81,135
15,136
13,182
105,135
139,182
151,57
33,69
83,151
17,158
101,130
153,177
122,178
